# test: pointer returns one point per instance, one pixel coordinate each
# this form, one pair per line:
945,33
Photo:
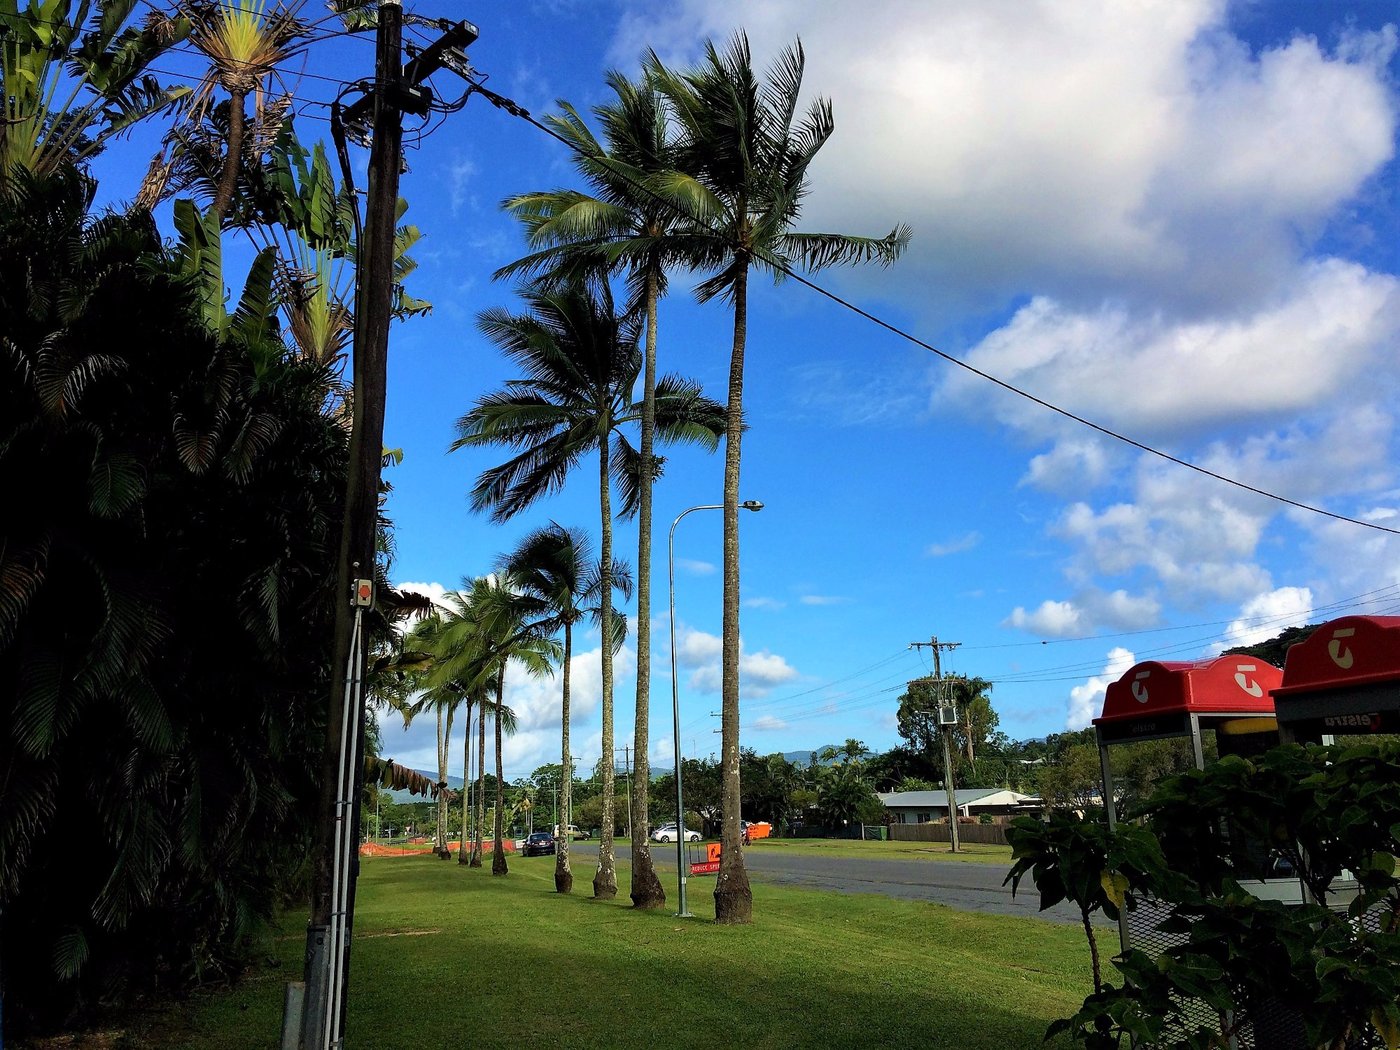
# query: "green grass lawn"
456,958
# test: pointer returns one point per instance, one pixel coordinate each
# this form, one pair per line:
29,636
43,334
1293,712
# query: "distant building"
920,807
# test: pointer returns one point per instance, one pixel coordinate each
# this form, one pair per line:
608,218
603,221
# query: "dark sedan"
539,844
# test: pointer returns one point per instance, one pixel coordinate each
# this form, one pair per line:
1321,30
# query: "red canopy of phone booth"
1344,679
1156,699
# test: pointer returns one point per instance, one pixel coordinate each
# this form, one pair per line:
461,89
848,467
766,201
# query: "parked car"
537,845
667,833
574,832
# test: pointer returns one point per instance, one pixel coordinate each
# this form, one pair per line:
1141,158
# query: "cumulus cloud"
1086,699
766,723
1072,464
1154,375
697,568
701,653
1051,618
1071,147
1089,609
1265,615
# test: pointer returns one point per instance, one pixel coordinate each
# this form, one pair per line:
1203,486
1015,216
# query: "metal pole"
748,504
684,912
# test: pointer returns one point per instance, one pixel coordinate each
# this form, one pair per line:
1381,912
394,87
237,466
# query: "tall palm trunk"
733,897
646,887
480,787
563,874
444,732
462,849
498,858
228,178
605,881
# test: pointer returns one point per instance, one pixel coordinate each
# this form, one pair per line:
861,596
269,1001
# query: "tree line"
165,604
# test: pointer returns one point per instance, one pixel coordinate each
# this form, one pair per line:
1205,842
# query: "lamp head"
751,504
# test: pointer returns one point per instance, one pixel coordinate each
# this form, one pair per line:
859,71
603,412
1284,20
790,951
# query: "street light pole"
748,504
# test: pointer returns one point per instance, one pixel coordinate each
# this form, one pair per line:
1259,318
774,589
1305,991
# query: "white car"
667,833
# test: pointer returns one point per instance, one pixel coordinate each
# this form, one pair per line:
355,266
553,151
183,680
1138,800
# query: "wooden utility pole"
945,731
332,902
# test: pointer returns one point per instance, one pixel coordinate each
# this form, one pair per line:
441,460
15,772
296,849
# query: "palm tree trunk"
498,858
605,881
646,887
733,897
480,817
462,850
441,849
228,178
563,874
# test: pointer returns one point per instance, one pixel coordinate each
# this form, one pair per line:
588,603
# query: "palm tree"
581,365
976,717
244,43
69,88
555,566
742,176
506,633
623,224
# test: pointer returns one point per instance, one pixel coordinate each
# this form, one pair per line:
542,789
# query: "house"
920,807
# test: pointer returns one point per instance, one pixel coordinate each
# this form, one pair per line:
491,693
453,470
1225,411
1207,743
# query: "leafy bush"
1201,839
164,571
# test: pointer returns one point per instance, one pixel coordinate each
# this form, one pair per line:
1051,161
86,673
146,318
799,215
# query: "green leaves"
1330,810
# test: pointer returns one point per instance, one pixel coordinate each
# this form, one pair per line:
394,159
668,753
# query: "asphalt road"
965,886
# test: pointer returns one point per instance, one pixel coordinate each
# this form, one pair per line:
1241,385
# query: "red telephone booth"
1344,680
1157,700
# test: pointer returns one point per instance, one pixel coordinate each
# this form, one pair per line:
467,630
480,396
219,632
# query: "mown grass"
460,958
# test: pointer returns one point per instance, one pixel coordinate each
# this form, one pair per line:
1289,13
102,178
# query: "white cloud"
697,568
1067,146
766,723
1072,464
694,648
1265,615
823,599
1052,619
1086,699
701,652
1090,608
954,546
1154,376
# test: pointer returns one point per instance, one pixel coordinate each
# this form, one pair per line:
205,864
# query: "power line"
513,108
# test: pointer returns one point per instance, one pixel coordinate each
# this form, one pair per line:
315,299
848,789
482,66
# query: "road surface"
967,886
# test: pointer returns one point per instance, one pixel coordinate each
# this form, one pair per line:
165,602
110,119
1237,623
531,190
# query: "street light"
748,504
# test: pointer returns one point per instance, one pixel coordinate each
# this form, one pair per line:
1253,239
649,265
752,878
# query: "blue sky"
1177,219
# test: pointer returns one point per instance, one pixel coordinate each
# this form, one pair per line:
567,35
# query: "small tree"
1325,810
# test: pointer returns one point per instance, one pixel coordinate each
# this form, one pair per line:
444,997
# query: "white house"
920,807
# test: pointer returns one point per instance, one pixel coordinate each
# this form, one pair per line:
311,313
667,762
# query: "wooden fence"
987,834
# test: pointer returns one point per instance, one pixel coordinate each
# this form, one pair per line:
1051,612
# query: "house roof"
939,799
